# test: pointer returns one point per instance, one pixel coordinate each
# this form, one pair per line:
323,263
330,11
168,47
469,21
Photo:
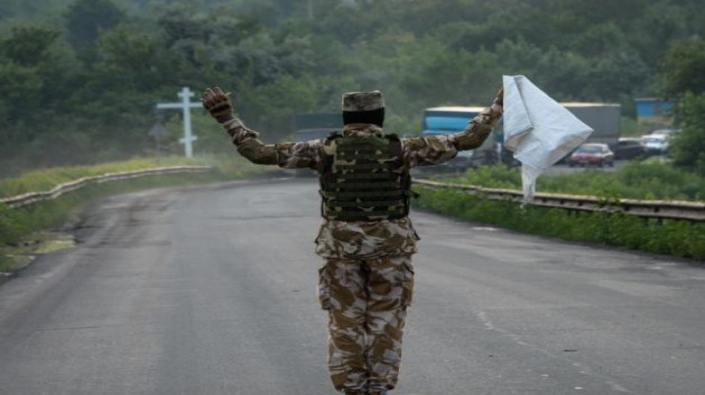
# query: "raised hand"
218,104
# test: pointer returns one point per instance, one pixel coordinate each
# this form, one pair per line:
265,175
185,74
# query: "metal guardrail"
59,190
660,209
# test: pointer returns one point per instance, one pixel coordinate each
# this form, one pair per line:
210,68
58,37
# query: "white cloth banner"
537,129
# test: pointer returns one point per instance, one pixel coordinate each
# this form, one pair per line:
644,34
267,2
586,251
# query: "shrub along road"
565,169
212,291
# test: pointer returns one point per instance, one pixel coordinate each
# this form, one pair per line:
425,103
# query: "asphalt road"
212,291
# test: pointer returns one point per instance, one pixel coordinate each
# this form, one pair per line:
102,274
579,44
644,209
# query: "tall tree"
688,146
684,76
683,68
85,19
28,73
29,45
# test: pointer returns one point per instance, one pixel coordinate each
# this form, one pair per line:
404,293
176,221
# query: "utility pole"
185,105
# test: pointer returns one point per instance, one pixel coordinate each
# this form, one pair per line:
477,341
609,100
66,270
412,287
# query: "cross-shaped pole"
185,105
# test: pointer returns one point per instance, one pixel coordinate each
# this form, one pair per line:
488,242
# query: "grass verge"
671,237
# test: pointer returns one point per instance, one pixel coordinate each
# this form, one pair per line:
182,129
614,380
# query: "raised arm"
287,155
479,127
433,150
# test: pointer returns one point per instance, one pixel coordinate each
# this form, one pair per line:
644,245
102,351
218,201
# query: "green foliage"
12,225
683,68
683,74
500,177
29,45
678,238
85,19
636,180
80,78
689,145
29,64
24,87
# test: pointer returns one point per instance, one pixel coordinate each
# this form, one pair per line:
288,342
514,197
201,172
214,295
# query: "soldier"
366,239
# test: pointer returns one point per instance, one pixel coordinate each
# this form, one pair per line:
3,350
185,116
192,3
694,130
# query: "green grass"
670,237
46,179
21,227
636,180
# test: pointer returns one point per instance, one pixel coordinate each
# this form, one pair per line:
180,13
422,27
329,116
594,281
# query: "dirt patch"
17,257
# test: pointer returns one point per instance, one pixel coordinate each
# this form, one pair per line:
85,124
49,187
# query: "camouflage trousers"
366,301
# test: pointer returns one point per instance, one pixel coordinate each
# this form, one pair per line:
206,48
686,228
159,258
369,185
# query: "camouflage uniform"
367,279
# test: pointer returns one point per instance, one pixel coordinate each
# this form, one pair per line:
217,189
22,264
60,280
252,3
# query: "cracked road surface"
211,291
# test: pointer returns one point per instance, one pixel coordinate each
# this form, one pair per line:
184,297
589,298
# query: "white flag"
537,129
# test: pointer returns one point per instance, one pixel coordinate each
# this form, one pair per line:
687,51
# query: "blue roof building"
651,110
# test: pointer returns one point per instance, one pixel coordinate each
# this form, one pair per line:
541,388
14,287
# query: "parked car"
592,154
629,148
655,144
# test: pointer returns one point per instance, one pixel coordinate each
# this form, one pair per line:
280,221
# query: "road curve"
212,291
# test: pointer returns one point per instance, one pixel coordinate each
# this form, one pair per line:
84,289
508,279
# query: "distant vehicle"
655,144
449,120
592,154
629,148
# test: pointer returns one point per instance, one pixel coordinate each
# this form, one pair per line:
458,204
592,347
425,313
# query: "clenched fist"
218,104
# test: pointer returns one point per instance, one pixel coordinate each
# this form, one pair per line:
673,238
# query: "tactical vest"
364,179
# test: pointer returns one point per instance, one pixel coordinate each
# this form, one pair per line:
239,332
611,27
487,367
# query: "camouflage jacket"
364,239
